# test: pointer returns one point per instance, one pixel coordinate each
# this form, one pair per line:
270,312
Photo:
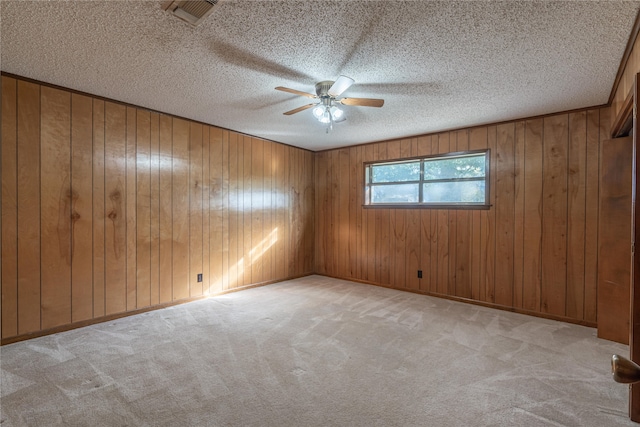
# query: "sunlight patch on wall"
239,267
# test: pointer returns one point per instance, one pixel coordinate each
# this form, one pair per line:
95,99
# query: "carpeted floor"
316,352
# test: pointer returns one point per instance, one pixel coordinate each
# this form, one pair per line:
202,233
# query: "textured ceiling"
438,65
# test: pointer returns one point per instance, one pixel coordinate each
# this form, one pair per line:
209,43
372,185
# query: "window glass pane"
456,167
450,192
397,172
401,193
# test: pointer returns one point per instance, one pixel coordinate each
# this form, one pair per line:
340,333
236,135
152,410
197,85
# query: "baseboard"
89,322
474,302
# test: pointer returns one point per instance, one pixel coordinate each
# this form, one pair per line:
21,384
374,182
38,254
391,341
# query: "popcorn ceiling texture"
438,65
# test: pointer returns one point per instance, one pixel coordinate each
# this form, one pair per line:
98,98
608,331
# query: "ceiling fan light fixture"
327,111
318,111
326,116
337,114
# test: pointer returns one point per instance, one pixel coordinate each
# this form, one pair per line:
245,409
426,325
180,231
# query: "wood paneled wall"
534,250
108,208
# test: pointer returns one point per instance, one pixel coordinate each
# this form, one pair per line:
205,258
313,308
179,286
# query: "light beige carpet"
316,352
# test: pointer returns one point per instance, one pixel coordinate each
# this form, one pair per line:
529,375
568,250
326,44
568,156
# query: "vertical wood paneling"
255,244
235,220
595,120
297,226
294,225
353,226
576,212
452,228
321,203
382,243
285,211
426,237
413,237
488,226
410,241
477,141
518,220
554,216
308,211
372,273
154,278
98,208
343,215
504,209
396,229
115,143
216,205
56,200
9,203
82,207
331,213
277,217
399,237
298,160
463,237
267,225
180,203
195,209
299,211
334,210
532,222
553,185
435,213
282,209
130,212
30,231
543,176
296,163
442,238
143,208
362,194
206,211
358,214
244,273
244,216
120,208
225,210
591,290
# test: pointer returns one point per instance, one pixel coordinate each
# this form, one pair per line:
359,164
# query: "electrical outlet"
200,277
419,274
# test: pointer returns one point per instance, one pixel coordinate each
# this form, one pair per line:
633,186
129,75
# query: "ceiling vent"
191,11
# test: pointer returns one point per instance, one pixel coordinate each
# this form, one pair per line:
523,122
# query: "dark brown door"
634,344
614,239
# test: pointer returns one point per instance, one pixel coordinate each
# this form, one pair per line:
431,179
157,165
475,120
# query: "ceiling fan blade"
297,110
296,92
340,85
363,102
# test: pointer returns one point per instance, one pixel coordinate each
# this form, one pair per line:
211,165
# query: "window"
454,180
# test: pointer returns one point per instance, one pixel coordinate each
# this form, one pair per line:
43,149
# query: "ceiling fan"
327,111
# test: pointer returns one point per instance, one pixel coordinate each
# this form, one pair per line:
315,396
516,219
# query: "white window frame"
368,185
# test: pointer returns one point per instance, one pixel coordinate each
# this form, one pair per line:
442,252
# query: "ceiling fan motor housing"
322,88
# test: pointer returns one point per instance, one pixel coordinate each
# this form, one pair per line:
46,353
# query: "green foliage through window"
449,179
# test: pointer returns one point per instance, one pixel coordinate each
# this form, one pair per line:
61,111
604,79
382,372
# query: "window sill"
427,206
